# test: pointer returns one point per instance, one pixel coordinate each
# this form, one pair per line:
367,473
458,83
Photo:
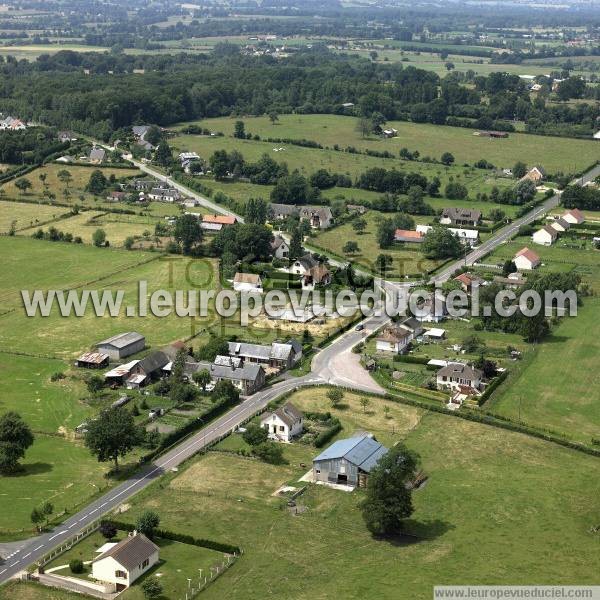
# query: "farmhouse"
574,217
280,248
319,217
413,326
12,124
535,174
349,461
468,237
125,562
526,260
284,423
460,216
408,236
147,369
217,222
468,281
122,345
247,282
248,378
163,194
93,360
394,339
459,374
277,355
311,270
97,155
545,236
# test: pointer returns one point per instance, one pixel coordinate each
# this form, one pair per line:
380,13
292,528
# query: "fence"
64,546
215,572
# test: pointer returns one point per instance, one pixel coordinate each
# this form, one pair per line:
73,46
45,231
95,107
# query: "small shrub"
76,566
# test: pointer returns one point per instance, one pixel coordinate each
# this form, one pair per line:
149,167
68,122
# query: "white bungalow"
283,424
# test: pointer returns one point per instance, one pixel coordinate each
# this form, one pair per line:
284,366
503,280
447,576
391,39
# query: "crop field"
472,469
76,188
24,214
554,154
565,399
56,265
408,260
31,52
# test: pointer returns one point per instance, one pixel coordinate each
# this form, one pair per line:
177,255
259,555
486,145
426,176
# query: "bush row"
181,537
327,435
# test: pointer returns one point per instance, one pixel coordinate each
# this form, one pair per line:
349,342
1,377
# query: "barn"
122,345
348,462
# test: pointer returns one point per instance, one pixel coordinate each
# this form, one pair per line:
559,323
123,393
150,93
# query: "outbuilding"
122,345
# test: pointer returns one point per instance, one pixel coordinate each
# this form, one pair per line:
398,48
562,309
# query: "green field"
555,154
31,52
94,269
24,214
462,515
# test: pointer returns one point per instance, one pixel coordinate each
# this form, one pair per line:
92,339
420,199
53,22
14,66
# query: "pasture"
554,154
472,470
65,266
24,214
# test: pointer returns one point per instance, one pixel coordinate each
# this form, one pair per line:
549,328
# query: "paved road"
202,200
36,548
506,233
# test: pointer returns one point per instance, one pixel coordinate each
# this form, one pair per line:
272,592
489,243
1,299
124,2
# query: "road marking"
3,571
26,555
55,536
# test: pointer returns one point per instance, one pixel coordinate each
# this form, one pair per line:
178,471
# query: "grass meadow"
65,266
554,154
24,215
462,515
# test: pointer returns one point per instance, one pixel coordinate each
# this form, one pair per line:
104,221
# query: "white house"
545,236
247,282
455,375
280,248
124,562
574,217
526,260
393,339
284,423
468,237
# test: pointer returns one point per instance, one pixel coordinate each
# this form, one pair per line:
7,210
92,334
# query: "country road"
335,364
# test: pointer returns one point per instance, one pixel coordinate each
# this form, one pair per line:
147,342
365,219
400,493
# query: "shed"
122,345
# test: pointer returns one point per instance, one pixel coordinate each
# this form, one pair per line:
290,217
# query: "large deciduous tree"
15,438
388,501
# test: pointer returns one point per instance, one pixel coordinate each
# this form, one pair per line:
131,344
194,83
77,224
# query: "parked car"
156,412
359,327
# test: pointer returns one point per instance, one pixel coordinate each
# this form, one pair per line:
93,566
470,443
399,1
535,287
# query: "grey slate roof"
276,350
249,372
153,362
130,552
288,413
461,214
362,451
460,370
308,261
122,340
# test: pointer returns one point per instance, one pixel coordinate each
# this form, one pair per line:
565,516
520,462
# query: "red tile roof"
528,254
219,219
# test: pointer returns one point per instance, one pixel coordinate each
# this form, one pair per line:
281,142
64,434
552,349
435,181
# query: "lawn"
462,518
80,177
178,562
55,469
117,270
24,214
555,154
407,260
